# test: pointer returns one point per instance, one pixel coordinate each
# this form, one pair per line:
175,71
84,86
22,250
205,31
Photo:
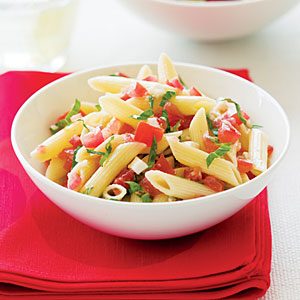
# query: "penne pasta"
189,105
165,68
119,159
144,72
199,127
177,187
88,107
192,157
245,132
56,170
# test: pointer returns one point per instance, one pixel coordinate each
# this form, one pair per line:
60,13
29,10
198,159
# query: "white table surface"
106,33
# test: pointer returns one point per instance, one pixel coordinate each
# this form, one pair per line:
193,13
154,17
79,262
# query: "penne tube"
135,198
245,132
56,170
165,68
52,146
189,105
231,154
161,198
199,127
118,160
115,84
88,107
258,150
245,177
144,72
120,109
192,157
141,103
178,187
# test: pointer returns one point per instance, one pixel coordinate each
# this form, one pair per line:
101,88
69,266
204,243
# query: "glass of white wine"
35,34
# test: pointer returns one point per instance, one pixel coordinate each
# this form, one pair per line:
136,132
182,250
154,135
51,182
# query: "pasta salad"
153,139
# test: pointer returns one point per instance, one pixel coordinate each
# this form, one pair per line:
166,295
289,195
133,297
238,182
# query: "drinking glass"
35,34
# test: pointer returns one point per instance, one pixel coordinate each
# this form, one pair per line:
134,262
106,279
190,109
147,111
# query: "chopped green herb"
67,120
181,81
238,110
74,162
114,75
256,126
166,97
221,151
88,190
84,125
98,107
176,126
108,150
133,187
152,154
166,117
144,115
94,152
151,101
211,126
146,198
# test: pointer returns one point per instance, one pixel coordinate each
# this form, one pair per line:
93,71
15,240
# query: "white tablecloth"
106,33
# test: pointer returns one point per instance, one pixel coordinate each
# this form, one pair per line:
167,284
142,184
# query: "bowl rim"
222,3
25,164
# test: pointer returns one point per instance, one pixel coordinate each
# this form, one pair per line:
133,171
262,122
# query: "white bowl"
147,220
210,21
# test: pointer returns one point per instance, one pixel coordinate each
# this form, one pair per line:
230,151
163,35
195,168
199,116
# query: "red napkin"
45,253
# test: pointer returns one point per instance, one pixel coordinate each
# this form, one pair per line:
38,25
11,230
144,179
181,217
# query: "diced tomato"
75,141
250,175
173,113
162,123
193,174
67,155
238,120
61,117
47,163
185,122
270,150
74,180
175,83
227,133
125,128
151,78
163,165
210,146
128,137
149,188
194,92
82,113
93,138
135,90
124,175
145,133
244,165
113,127
214,183
121,74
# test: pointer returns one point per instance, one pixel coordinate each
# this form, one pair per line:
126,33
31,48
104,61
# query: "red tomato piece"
214,183
270,150
210,146
113,127
185,122
135,90
121,74
193,174
227,133
145,133
61,117
244,165
75,141
162,123
128,137
194,92
175,83
149,188
173,113
151,78
238,120
163,165
74,180
124,175
125,128
93,138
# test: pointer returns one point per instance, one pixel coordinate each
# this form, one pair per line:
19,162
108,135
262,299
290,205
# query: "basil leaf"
108,150
151,101
238,110
74,110
94,152
176,126
256,126
133,187
74,162
152,154
146,198
181,81
221,151
211,126
84,125
166,97
165,115
98,107
144,115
